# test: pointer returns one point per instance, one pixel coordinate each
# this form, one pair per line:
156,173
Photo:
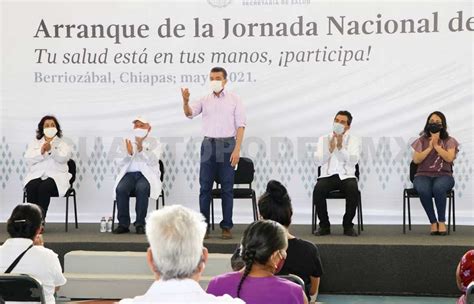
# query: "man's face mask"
216,86
338,128
138,132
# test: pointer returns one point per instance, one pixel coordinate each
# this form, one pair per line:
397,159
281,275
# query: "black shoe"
350,232
322,231
140,229
121,230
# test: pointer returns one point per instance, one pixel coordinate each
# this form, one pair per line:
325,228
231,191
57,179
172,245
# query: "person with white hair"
139,175
177,258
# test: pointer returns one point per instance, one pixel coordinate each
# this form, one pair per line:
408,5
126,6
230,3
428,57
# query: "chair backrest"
413,168
20,288
71,164
470,293
244,174
357,173
294,278
162,170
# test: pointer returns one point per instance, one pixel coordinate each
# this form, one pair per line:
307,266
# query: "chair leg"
162,198
113,215
157,203
404,212
358,219
449,214
67,211
454,211
212,213
360,212
254,207
75,209
409,213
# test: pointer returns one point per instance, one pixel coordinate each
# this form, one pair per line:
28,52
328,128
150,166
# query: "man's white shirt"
340,161
179,291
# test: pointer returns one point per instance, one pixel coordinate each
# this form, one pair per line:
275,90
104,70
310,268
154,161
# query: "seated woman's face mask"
50,132
435,127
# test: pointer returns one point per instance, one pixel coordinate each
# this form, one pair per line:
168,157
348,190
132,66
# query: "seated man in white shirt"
24,227
177,258
140,175
337,154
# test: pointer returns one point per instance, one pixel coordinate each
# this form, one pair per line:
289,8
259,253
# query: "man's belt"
218,138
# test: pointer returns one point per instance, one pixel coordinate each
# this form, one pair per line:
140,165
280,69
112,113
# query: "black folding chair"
20,288
338,194
243,175
470,293
162,195
411,193
293,278
71,192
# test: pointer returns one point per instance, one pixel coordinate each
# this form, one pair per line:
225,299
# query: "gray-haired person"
177,258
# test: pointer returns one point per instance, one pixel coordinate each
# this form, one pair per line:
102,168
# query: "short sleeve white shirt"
39,262
180,292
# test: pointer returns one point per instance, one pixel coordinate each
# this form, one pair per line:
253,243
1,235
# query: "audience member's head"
236,262
176,235
264,244
465,271
275,204
25,221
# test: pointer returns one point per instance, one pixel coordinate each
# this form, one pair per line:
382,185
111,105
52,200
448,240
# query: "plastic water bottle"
103,225
109,224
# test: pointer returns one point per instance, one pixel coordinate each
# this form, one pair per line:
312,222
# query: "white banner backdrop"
295,63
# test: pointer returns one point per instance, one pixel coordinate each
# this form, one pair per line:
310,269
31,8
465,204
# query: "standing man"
140,175
337,154
224,122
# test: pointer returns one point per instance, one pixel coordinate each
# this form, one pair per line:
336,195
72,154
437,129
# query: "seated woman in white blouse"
24,227
47,156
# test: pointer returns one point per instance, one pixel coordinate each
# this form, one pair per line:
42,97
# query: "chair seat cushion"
238,193
411,192
336,194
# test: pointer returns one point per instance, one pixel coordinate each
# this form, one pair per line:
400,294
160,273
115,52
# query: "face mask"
50,132
280,266
435,127
216,86
338,128
140,132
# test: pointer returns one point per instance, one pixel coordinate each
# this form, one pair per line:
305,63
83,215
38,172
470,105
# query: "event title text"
298,27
